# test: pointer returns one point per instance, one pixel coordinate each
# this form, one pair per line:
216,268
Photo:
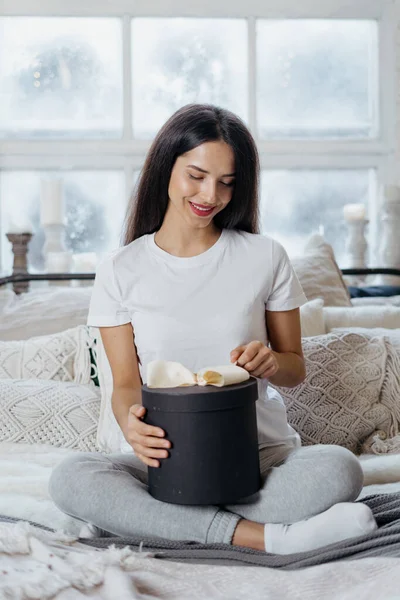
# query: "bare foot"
249,534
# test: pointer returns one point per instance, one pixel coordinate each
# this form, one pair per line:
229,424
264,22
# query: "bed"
46,554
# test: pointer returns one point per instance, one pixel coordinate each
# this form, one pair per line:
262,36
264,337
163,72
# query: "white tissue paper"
166,374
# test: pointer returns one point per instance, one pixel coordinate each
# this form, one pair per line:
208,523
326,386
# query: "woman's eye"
201,178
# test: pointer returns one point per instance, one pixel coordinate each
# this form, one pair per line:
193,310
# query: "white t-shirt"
196,310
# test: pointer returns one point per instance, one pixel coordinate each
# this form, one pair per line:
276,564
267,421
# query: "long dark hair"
187,128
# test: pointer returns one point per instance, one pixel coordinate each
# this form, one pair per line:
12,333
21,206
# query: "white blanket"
76,571
37,564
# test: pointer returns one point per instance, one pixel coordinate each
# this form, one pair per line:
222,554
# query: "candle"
85,262
58,262
354,212
51,202
20,225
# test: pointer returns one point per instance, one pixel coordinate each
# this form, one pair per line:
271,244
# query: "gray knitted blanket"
384,542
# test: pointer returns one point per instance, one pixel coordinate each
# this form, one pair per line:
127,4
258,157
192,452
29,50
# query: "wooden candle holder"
20,243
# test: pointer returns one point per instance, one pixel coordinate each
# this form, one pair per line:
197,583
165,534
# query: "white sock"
340,522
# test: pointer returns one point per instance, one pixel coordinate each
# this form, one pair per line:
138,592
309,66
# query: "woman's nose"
209,192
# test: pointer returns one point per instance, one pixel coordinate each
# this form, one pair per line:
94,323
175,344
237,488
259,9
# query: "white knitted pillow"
59,413
60,356
339,402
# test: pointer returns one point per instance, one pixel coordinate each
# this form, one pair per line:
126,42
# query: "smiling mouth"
200,209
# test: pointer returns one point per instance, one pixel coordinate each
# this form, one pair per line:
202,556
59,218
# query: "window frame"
127,154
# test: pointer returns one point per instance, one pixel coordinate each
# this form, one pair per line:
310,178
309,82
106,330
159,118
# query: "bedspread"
39,564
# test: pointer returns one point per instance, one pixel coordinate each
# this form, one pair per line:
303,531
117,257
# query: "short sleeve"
286,292
105,308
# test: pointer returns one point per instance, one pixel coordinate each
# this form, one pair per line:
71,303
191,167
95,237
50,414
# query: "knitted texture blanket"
384,542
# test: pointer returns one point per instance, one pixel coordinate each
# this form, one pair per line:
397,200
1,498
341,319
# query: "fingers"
151,452
253,361
137,412
148,454
266,369
263,357
148,461
236,353
251,351
147,441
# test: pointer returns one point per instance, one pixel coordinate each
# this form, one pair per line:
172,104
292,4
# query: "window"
178,61
297,202
94,211
309,85
60,77
84,90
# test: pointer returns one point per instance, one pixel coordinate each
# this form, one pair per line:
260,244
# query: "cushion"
60,413
320,275
376,300
109,435
312,318
61,357
339,402
361,316
42,311
392,334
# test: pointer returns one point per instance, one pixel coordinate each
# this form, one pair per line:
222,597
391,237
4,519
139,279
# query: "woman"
196,283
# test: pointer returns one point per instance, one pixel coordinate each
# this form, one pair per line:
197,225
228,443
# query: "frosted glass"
95,209
60,77
297,203
317,78
178,61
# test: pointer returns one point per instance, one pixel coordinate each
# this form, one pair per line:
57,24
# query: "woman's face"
201,182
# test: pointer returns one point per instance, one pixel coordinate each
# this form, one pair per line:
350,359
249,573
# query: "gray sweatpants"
110,491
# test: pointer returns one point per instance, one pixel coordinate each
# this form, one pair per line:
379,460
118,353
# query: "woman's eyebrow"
203,171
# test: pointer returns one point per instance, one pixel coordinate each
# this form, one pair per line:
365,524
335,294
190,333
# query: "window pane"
94,206
60,77
297,203
317,78
179,61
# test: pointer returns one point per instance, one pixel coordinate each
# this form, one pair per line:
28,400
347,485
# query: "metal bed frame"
24,278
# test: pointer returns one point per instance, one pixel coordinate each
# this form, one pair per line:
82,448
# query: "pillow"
60,413
42,311
61,357
361,316
109,435
339,402
376,300
319,274
393,335
312,318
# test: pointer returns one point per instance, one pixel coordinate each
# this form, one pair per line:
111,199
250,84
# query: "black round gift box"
213,457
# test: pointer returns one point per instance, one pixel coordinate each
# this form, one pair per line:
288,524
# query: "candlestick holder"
20,243
54,239
356,247
390,248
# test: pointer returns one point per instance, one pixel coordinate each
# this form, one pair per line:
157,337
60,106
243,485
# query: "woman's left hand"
257,359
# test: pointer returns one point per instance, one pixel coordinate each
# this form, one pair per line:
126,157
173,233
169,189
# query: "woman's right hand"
147,441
